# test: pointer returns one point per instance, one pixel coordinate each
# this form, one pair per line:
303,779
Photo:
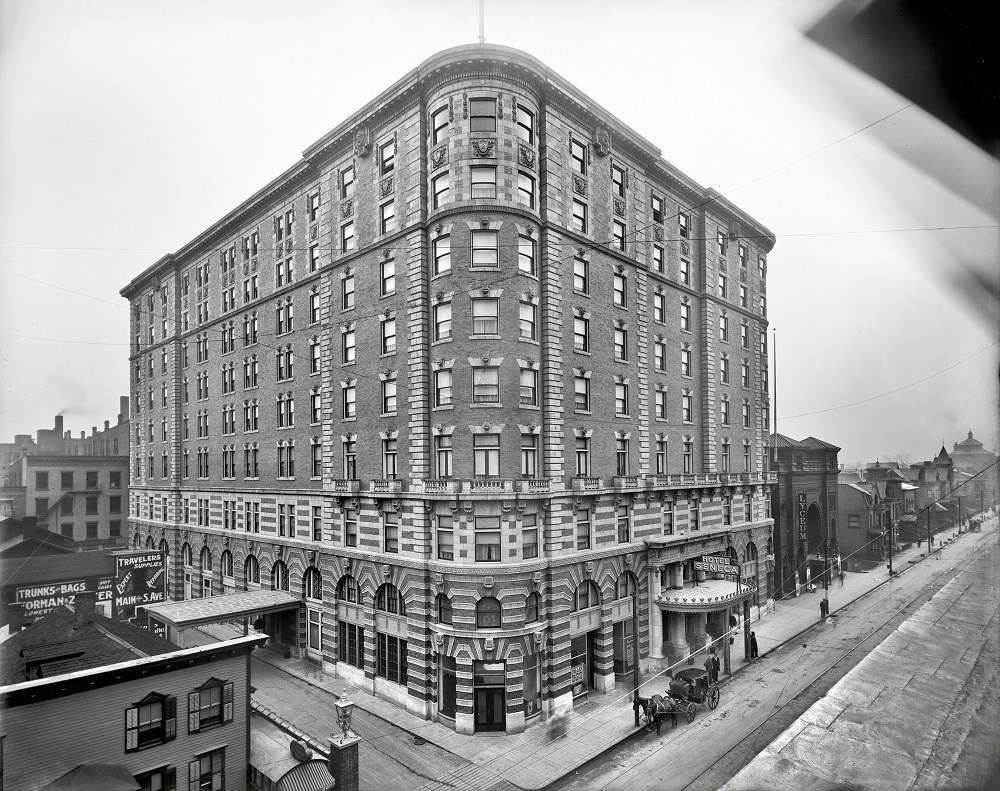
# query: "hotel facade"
480,378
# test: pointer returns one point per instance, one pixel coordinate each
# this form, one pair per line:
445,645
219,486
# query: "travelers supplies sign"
802,516
140,578
716,565
36,600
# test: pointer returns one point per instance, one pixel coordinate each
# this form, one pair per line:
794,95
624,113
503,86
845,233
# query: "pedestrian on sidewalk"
753,645
715,667
709,663
841,578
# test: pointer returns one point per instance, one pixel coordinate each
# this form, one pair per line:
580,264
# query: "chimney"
83,435
93,431
107,424
122,409
59,425
68,435
84,607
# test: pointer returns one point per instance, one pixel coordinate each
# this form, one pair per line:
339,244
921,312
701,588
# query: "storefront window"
579,665
448,684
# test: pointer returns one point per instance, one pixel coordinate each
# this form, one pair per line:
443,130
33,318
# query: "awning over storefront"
215,609
706,596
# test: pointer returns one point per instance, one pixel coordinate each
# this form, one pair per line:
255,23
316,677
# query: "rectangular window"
347,182
684,225
660,308
581,275
442,254
482,115
526,190
208,772
661,457
388,336
525,125
685,317
442,321
390,531
529,455
685,272
744,299
484,181
581,334
661,404
347,291
387,157
389,396
724,329
579,216
688,457
442,388
445,537
723,286
658,260
583,457
621,344
618,231
742,250
387,279
350,401
694,514
529,387
686,362
391,658
485,316
619,290
526,321
347,237
687,405
724,370
526,254
621,456
440,187
486,248
387,217
720,242
583,528
622,520
529,536
486,385
618,181
443,456
351,645
578,157
211,704
439,125
621,399
486,455
656,206
487,530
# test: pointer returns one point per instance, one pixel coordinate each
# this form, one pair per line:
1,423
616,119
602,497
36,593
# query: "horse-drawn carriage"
688,688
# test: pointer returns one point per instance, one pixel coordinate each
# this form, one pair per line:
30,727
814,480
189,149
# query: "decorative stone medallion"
484,147
526,157
580,185
362,141
385,187
658,233
619,207
439,156
347,208
685,248
603,137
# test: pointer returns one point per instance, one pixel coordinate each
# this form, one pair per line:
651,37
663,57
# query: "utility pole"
890,544
928,531
960,514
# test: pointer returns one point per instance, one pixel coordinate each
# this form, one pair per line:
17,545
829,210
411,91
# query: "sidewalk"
533,760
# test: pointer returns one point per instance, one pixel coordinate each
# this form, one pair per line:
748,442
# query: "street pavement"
903,717
408,752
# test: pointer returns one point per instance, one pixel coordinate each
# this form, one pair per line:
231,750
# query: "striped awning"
309,776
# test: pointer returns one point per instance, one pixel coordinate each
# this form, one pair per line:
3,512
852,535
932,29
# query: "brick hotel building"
476,380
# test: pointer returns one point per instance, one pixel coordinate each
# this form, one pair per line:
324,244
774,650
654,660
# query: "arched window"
770,545
312,584
226,563
251,571
488,614
625,587
349,590
186,554
165,547
389,599
531,608
587,595
751,552
733,557
279,576
150,544
206,559
137,541
444,609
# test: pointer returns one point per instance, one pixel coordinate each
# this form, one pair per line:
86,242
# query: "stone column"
655,616
696,632
677,575
677,645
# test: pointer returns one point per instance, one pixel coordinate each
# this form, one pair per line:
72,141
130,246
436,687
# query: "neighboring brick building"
324,390
805,506
971,458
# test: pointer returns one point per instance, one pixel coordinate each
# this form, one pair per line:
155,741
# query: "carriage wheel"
713,697
689,712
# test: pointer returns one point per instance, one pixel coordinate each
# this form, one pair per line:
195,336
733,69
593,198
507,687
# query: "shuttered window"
153,720
210,704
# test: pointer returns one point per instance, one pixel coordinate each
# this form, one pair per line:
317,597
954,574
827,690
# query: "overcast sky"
128,128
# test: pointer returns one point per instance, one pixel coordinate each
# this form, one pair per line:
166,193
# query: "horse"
655,709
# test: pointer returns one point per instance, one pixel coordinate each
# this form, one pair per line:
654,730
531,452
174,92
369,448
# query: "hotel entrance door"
490,697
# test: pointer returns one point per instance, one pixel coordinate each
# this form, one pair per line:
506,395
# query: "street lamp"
345,710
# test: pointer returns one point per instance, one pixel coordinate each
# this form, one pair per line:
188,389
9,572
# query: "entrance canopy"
706,596
215,609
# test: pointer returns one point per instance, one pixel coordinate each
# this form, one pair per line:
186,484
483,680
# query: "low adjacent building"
117,704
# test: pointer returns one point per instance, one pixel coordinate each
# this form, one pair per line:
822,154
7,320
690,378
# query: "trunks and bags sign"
36,600
140,578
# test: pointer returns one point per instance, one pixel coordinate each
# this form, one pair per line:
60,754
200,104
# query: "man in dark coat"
715,667
753,645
